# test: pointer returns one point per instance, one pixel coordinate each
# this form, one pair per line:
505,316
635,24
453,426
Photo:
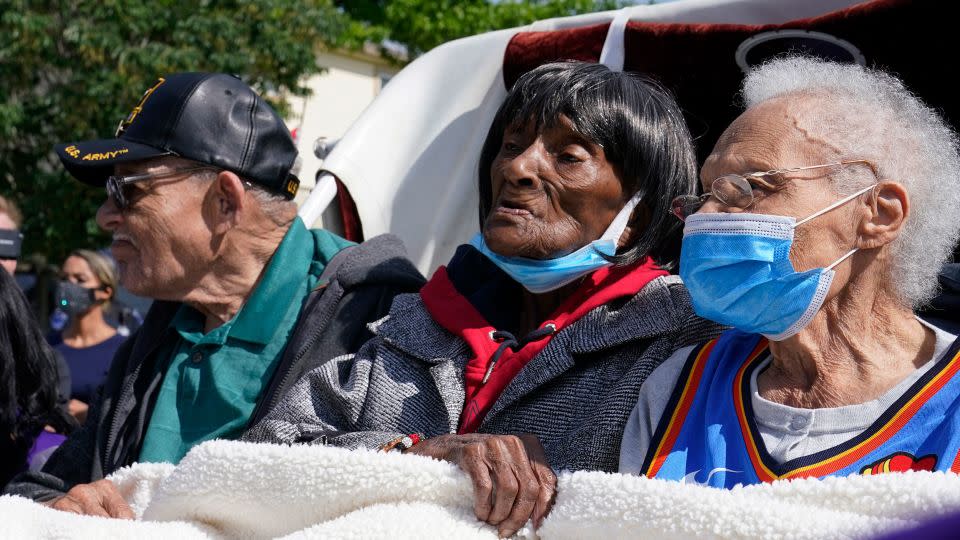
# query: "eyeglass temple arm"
124,180
808,167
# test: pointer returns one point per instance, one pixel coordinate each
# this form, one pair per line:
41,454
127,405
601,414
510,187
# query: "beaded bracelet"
402,443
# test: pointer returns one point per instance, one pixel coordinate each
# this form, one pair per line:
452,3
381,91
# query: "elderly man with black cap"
200,207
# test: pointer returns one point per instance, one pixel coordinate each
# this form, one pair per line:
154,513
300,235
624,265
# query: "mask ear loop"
841,259
619,223
854,250
837,204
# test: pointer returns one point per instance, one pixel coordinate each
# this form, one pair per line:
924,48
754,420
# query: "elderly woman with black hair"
830,205
526,352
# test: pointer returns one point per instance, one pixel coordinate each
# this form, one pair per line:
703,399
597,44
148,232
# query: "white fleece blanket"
225,489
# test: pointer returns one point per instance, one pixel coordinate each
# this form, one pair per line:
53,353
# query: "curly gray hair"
868,114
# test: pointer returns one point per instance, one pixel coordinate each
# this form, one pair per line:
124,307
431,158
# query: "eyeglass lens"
733,190
685,205
115,192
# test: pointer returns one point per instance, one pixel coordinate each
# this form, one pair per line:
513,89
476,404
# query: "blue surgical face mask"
737,270
544,275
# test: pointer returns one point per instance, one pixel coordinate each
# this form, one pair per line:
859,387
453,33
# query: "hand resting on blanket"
512,481
100,498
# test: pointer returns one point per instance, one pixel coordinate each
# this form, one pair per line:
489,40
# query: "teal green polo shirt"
213,380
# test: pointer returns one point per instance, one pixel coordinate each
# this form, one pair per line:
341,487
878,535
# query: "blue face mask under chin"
737,270
544,275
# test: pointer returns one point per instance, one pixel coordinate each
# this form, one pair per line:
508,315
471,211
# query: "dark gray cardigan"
575,395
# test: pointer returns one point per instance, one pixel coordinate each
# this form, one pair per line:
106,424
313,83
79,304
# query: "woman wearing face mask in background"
87,284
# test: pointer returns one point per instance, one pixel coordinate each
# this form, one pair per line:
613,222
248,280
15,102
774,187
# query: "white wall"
339,96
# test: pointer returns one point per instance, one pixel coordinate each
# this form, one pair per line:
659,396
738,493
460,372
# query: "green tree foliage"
421,25
71,70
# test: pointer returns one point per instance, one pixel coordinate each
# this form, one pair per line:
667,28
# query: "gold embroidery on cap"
292,187
73,151
100,156
125,123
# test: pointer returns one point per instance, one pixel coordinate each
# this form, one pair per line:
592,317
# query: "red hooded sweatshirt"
498,356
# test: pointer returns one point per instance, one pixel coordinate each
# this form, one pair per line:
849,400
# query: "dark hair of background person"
28,381
637,123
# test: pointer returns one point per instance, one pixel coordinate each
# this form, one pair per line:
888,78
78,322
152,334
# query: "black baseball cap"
212,118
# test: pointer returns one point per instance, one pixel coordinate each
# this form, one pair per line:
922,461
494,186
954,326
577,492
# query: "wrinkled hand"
512,481
99,498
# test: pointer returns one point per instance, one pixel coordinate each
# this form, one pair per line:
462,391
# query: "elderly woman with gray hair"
829,206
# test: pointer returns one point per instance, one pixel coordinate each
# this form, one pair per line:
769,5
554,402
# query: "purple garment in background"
941,528
42,448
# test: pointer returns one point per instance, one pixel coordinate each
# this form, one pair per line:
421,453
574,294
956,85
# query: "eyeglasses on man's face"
118,186
736,190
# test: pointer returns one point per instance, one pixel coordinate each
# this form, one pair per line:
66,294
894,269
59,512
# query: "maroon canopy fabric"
697,61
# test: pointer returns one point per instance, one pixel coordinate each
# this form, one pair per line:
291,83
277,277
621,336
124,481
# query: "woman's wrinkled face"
777,134
553,192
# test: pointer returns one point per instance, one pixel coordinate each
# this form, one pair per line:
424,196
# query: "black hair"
28,378
637,123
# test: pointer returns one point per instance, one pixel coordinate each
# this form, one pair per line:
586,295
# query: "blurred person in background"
10,244
28,387
10,219
88,283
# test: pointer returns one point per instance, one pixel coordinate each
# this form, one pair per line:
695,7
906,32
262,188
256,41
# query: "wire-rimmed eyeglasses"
735,190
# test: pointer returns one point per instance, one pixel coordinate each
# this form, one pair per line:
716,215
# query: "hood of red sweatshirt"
475,300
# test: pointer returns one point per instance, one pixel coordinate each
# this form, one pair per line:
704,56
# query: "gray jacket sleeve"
327,405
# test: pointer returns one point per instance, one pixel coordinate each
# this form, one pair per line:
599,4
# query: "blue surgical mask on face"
737,270
544,275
